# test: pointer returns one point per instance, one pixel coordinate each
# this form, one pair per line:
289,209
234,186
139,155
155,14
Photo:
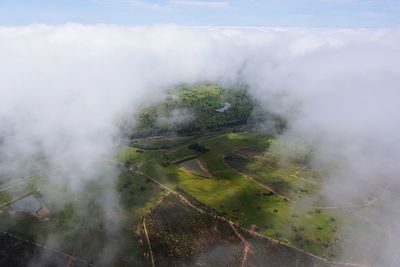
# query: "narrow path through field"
180,196
185,200
7,203
373,224
23,179
148,242
295,202
295,175
246,245
203,167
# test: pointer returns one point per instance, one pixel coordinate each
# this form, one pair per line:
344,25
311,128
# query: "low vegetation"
217,160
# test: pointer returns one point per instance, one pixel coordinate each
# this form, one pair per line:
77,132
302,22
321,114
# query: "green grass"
240,199
138,195
243,200
4,197
287,180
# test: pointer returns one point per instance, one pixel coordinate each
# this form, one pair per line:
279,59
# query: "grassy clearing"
285,180
138,195
5,197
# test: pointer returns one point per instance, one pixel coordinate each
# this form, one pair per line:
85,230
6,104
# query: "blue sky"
301,13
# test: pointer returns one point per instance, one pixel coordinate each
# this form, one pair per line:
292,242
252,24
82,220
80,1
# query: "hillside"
214,193
200,108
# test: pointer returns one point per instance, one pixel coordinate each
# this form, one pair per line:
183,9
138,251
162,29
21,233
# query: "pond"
29,204
225,107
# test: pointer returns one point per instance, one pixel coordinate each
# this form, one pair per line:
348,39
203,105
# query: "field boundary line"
185,200
246,245
294,202
22,179
148,242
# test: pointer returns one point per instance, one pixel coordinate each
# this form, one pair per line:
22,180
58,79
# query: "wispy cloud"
142,3
199,3
173,3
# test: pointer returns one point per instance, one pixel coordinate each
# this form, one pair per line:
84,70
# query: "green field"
251,183
229,192
303,221
241,199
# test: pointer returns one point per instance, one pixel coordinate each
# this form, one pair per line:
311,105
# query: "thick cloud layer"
63,90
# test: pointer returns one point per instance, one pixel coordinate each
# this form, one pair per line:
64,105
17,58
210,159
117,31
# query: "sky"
287,13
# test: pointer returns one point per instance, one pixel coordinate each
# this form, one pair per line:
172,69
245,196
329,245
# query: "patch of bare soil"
181,236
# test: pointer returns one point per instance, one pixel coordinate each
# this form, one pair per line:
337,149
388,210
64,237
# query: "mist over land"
64,91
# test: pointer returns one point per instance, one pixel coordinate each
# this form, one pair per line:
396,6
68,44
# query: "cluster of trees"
199,148
200,103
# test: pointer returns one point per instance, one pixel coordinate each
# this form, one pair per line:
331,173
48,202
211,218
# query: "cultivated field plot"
294,182
249,186
245,184
179,235
196,167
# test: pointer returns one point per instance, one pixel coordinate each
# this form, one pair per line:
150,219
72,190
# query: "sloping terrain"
220,197
180,235
195,109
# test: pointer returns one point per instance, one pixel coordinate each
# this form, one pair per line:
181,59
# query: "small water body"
225,107
29,204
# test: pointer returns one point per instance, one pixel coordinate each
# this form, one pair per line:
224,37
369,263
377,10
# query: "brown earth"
180,235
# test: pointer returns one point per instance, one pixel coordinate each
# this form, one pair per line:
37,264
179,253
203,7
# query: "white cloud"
62,90
200,3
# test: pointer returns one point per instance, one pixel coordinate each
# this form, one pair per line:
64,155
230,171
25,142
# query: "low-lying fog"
63,90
